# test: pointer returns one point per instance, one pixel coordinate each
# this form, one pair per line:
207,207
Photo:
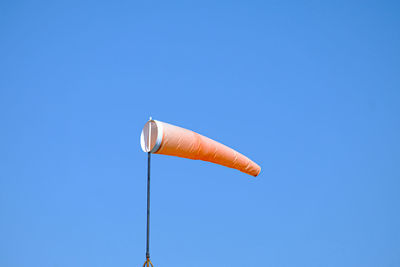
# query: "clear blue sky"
310,90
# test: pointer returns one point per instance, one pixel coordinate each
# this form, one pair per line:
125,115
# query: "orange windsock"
162,138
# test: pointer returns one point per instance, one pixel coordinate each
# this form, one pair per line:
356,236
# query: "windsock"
162,138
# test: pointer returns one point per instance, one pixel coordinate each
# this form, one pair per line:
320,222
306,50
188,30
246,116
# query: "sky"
309,90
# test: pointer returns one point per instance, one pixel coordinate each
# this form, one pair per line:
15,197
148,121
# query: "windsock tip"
258,173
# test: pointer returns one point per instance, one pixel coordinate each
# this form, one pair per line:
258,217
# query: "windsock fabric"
162,138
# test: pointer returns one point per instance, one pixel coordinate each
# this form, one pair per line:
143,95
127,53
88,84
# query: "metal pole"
148,207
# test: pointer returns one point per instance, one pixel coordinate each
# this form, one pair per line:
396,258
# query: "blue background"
309,90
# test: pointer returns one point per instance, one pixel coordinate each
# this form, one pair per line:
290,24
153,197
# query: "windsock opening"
151,136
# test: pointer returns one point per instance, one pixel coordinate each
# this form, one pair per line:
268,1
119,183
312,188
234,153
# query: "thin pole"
148,207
